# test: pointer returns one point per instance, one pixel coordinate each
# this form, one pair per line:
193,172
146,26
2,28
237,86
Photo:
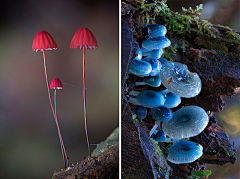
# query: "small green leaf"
198,173
207,172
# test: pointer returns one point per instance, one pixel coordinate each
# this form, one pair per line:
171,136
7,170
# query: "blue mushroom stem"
133,101
157,123
134,93
134,116
140,83
173,140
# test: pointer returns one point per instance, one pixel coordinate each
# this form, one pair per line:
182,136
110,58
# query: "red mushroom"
84,39
44,41
57,85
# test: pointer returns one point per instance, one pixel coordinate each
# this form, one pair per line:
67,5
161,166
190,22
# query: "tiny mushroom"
156,43
44,41
139,67
153,81
57,85
172,100
156,54
139,54
159,136
147,98
139,111
84,39
163,60
160,113
156,66
184,152
156,30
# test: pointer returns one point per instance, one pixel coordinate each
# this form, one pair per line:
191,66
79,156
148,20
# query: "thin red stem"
49,96
65,158
84,101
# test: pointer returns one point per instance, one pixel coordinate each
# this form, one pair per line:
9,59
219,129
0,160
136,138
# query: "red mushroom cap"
84,37
56,84
43,41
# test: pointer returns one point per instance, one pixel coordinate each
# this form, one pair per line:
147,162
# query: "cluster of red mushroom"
83,39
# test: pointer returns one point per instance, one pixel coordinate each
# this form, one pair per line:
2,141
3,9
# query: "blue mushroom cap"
140,68
161,113
140,111
144,50
139,54
153,81
156,43
153,53
186,122
150,99
156,66
159,136
156,30
184,152
179,80
162,60
171,100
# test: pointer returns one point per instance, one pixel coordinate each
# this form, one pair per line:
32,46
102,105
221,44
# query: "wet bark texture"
215,60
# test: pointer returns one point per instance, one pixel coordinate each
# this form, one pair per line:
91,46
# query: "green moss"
136,121
184,44
180,24
171,50
226,152
157,148
212,150
232,35
159,151
218,44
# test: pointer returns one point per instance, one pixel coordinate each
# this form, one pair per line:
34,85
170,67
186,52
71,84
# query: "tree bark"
104,163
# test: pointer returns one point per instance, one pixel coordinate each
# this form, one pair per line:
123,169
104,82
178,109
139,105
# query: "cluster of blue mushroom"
187,122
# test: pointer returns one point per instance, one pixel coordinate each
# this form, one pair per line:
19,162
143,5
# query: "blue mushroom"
186,122
156,66
147,98
161,113
144,50
159,136
156,43
156,30
179,80
162,60
184,152
171,100
139,54
140,112
156,54
153,81
140,68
